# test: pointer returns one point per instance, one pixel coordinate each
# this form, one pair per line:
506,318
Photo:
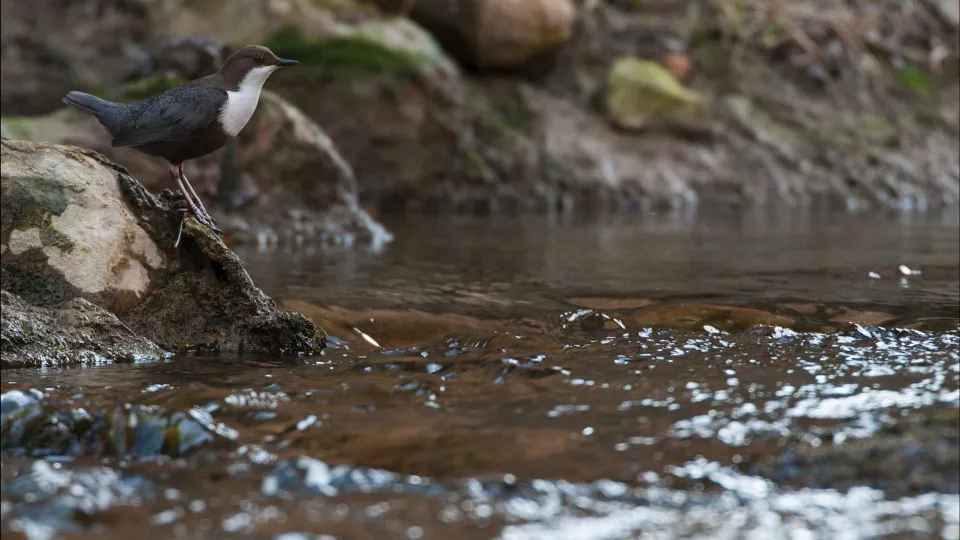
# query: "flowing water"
665,376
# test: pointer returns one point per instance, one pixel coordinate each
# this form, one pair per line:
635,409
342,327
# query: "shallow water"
670,376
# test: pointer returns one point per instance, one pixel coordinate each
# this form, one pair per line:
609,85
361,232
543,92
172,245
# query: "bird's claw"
182,207
206,220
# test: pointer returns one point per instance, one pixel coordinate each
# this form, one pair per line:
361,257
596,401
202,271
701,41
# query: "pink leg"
196,198
177,172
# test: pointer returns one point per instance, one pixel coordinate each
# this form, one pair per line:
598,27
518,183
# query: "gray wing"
172,115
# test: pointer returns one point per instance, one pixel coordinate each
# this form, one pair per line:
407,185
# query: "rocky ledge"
90,271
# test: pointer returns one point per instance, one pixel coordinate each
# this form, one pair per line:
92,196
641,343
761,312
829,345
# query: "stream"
671,375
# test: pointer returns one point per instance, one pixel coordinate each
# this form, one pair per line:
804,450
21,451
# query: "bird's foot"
182,207
203,217
209,222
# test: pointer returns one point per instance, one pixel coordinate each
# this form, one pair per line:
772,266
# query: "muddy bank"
620,106
91,270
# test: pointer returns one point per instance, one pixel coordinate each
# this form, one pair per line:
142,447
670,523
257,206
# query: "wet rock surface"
73,332
80,235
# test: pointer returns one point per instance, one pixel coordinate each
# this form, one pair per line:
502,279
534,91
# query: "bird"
190,120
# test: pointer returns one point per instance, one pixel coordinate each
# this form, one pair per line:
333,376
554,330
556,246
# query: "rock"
188,57
420,136
909,456
72,332
285,178
313,32
949,11
640,92
509,33
33,424
66,214
298,170
64,46
368,45
75,225
495,34
239,22
70,46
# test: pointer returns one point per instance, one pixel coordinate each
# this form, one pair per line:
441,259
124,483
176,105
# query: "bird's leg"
196,198
175,173
201,215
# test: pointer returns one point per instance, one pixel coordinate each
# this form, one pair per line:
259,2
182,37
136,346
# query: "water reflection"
527,266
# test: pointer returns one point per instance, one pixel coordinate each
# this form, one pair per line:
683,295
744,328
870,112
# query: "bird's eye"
258,58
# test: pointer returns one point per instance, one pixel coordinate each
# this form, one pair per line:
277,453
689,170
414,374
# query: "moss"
839,138
915,79
31,286
202,7
780,132
33,202
314,343
772,33
16,127
557,172
873,129
344,57
147,86
50,236
468,158
509,112
877,127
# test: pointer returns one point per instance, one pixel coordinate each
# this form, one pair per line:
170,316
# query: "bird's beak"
282,62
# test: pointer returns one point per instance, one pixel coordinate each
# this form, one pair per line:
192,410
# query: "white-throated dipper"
190,120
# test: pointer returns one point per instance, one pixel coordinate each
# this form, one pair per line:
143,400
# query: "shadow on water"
668,376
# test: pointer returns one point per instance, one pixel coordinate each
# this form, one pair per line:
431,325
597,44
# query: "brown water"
669,376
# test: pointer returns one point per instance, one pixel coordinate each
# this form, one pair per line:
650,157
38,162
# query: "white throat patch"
239,107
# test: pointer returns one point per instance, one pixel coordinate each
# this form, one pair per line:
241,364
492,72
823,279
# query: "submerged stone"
34,426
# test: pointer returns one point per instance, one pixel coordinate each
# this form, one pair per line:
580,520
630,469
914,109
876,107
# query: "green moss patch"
33,202
16,127
344,57
150,86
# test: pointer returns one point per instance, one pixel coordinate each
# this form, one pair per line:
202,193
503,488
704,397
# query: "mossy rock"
49,127
360,55
640,92
146,87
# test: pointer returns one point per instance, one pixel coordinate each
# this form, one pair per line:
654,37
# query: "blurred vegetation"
343,57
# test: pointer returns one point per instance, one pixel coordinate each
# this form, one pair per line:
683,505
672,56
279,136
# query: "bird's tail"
85,101
107,112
